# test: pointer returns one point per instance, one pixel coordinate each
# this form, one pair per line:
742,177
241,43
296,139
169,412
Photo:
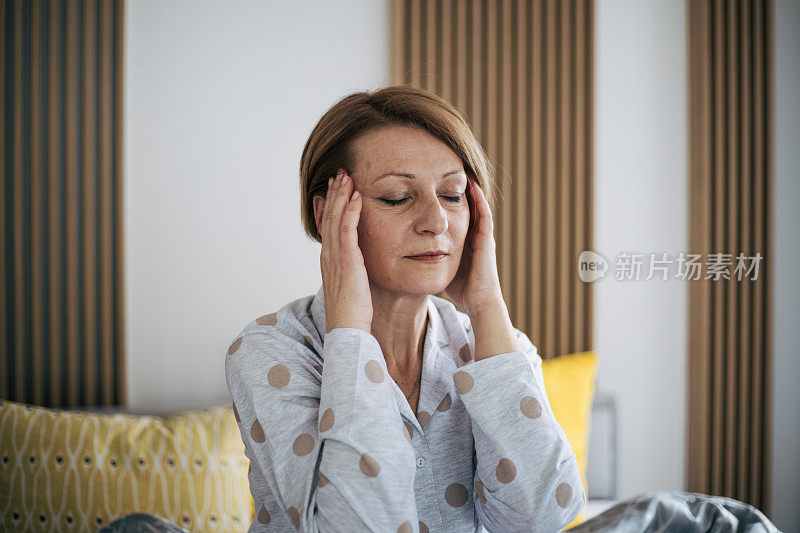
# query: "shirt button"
420,462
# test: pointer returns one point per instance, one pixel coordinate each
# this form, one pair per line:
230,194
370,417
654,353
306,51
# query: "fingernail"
344,179
355,195
330,180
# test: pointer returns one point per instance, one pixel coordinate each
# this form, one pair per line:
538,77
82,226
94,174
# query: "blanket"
668,511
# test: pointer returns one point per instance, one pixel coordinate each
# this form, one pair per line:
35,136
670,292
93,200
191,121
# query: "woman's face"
428,211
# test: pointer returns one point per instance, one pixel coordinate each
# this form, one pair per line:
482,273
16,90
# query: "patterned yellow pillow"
78,471
569,380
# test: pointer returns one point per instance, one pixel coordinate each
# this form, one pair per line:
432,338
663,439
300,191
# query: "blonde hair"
330,145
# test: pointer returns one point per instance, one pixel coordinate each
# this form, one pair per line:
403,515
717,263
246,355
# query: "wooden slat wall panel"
730,144
61,226
521,73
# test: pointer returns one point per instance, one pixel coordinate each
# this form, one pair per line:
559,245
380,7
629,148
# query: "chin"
420,285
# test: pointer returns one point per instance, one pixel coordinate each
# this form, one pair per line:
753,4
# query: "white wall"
220,98
641,207
786,296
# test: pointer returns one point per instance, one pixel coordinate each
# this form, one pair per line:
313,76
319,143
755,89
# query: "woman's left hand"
476,283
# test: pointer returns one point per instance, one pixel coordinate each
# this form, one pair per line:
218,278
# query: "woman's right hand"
348,302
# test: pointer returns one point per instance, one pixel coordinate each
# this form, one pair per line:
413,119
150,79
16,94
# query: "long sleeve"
331,445
527,475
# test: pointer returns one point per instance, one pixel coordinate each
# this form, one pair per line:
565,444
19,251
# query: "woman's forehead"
405,151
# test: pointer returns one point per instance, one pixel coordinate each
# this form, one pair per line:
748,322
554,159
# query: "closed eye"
453,199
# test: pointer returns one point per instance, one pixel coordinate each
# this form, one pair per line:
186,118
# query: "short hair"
330,145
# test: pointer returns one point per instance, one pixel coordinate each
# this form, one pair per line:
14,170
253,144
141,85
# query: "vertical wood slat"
550,250
521,73
730,142
731,244
536,164
60,231
54,182
106,211
519,165
89,185
745,370
5,360
505,120
565,174
71,181
120,366
36,304
18,197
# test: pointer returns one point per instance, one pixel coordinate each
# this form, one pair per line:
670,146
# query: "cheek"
375,234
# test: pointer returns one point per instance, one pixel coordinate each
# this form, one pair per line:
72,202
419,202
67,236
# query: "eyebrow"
412,176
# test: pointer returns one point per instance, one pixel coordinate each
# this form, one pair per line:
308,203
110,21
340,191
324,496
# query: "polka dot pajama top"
334,446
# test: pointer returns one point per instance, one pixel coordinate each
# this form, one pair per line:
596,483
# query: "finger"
340,201
349,236
323,226
329,208
484,211
473,206
327,213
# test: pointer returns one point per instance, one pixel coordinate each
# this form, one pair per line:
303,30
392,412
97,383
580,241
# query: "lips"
432,253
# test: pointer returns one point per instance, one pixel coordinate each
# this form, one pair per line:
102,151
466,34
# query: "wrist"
490,307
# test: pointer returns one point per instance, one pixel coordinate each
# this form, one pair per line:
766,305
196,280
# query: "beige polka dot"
423,528
405,527
408,431
530,407
267,320
318,368
236,413
479,490
326,420
463,381
303,444
322,480
309,343
441,344
445,404
423,418
235,346
257,432
465,353
294,514
506,470
455,495
369,465
374,371
263,515
278,376
563,494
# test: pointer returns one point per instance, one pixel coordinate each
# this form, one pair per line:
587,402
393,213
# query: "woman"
376,405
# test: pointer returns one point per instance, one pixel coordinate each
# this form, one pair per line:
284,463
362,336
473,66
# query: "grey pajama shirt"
334,445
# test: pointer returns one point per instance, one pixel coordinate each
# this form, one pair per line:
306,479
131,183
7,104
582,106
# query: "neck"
399,322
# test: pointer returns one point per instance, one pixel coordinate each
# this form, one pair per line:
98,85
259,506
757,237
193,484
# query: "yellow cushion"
75,470
569,380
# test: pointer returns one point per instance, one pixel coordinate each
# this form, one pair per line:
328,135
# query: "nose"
431,217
